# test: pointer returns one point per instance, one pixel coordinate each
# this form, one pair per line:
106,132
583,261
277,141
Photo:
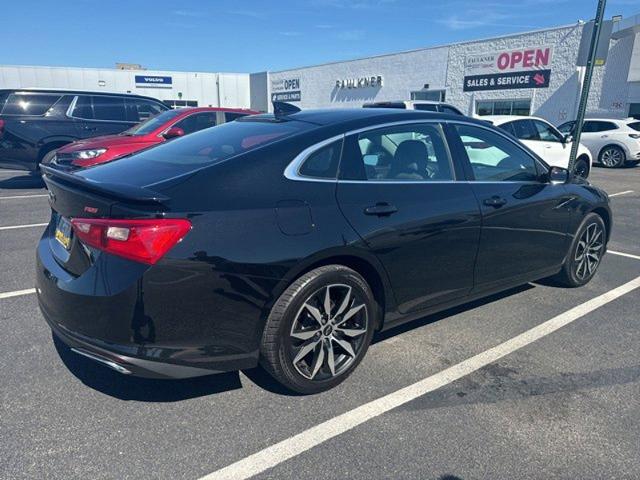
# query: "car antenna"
282,109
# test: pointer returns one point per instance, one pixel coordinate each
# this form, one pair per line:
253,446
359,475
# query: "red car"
155,130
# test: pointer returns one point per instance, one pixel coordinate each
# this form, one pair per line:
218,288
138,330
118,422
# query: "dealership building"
538,73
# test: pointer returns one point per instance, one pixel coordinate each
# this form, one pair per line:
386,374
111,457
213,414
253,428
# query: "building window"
503,107
431,95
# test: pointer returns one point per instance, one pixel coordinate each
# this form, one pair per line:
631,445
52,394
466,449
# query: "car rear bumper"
147,338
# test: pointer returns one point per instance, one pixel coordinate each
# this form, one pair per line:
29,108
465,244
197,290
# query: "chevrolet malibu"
288,240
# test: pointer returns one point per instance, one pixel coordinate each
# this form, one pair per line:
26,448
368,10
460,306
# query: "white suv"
545,140
613,143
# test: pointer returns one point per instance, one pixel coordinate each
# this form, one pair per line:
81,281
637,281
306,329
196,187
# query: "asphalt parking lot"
566,405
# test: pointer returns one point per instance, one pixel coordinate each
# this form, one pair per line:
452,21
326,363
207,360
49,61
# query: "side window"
595,126
109,108
494,158
634,125
525,130
566,128
404,153
508,127
323,163
427,107
29,104
546,132
231,116
139,110
83,108
448,109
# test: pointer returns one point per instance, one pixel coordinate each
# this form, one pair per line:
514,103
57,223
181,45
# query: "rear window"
213,145
29,103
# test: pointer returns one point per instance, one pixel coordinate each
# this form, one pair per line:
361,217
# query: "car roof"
335,116
189,110
63,91
500,119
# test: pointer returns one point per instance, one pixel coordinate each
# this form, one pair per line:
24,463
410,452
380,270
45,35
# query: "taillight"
145,241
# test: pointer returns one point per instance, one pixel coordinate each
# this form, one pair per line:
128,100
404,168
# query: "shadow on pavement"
406,327
124,387
22,181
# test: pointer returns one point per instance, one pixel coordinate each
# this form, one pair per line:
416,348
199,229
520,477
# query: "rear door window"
22,103
83,108
595,126
634,125
109,108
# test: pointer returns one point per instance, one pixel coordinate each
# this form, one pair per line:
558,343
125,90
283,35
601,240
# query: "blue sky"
252,35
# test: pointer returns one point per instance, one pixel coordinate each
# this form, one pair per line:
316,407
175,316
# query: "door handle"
495,201
381,209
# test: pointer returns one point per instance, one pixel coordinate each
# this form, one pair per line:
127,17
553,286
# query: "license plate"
63,232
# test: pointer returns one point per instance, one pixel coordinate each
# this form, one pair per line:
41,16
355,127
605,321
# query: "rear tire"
612,156
310,349
585,253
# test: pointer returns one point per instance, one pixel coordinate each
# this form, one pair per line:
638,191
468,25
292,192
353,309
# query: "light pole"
582,106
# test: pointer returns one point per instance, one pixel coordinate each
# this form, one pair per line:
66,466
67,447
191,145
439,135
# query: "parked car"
424,105
614,143
34,123
288,240
155,130
545,140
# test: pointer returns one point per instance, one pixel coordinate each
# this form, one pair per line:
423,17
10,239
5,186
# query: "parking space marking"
622,254
13,227
620,193
17,293
22,196
306,440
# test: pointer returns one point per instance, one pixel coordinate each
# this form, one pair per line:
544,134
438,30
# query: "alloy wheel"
589,251
328,332
581,169
611,157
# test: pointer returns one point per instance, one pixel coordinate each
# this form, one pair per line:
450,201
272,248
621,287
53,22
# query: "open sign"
524,59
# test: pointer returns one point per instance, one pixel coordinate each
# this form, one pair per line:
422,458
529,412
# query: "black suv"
33,123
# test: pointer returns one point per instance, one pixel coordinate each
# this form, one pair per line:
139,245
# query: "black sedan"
287,240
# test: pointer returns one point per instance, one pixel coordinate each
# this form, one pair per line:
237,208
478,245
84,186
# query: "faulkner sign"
505,70
360,82
286,90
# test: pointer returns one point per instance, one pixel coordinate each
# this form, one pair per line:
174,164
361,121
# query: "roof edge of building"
142,72
435,47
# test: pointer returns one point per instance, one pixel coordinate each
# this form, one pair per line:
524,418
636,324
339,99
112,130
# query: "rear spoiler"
116,191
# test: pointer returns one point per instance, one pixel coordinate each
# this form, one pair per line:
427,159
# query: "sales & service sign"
506,70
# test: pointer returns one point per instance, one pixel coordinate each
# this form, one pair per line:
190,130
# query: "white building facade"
532,73
174,88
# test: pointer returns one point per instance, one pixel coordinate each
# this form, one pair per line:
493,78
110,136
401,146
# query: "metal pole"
582,106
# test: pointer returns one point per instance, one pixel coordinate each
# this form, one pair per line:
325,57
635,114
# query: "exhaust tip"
105,361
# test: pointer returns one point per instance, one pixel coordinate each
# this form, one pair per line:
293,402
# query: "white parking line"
622,254
293,446
620,193
22,196
13,227
17,293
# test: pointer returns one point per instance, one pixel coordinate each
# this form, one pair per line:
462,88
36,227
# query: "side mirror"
173,132
558,175
568,138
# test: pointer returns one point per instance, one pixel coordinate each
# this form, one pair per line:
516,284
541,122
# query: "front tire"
585,253
612,156
319,329
581,168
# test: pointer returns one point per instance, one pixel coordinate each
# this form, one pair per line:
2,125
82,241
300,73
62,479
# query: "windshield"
152,123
